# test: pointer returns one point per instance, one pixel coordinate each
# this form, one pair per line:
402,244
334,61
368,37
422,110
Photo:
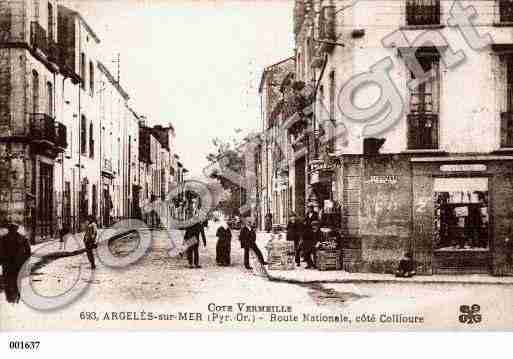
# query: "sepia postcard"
335,165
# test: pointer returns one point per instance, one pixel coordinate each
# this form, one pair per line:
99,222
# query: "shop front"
461,213
453,213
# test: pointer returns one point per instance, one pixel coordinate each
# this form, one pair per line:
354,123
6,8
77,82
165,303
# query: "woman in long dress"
224,244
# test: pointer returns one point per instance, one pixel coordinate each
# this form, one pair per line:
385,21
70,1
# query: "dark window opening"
91,141
51,23
35,92
49,89
83,70
91,78
83,135
505,10
422,12
423,118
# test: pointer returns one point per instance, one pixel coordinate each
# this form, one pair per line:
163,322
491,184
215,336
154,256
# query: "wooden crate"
329,259
280,255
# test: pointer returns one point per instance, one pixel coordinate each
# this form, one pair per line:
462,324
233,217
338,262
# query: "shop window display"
461,215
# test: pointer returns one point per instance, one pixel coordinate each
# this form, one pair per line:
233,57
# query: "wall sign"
463,168
382,180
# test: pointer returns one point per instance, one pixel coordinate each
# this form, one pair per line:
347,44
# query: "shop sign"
463,168
382,180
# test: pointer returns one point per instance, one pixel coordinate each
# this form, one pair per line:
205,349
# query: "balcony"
505,11
422,12
61,135
42,128
423,131
507,130
38,37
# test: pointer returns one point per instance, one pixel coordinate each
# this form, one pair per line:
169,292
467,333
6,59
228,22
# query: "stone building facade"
437,180
69,139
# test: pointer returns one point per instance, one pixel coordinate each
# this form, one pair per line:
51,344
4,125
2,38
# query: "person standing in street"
247,239
191,238
90,238
268,222
294,234
311,215
312,235
224,244
14,252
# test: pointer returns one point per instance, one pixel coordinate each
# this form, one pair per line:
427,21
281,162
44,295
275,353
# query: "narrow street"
162,284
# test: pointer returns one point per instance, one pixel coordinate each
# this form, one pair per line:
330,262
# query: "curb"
376,281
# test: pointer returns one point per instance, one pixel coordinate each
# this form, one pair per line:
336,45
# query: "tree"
229,155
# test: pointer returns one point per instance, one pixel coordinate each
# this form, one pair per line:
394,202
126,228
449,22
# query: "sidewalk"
304,276
301,275
73,244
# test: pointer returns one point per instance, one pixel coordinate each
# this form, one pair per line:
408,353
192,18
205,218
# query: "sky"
195,64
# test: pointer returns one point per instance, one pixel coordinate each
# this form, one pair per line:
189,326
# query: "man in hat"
294,234
311,236
247,239
311,215
90,238
14,252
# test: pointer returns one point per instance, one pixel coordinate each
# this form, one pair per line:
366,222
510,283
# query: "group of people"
247,238
305,236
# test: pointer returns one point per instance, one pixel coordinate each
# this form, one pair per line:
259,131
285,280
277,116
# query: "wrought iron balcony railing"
507,130
422,131
38,37
42,128
505,9
422,12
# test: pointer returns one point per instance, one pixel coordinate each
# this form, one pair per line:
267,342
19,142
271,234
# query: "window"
424,106
507,108
91,141
461,214
82,70
50,22
83,135
49,91
45,200
505,10
94,201
91,78
36,9
66,221
422,12
35,92
84,200
332,95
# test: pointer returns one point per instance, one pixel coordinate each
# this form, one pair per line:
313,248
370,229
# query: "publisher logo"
470,314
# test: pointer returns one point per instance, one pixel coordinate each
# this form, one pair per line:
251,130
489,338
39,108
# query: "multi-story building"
31,140
119,150
78,182
159,169
436,179
274,162
69,141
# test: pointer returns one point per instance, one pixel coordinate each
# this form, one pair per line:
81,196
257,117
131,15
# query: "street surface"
162,284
